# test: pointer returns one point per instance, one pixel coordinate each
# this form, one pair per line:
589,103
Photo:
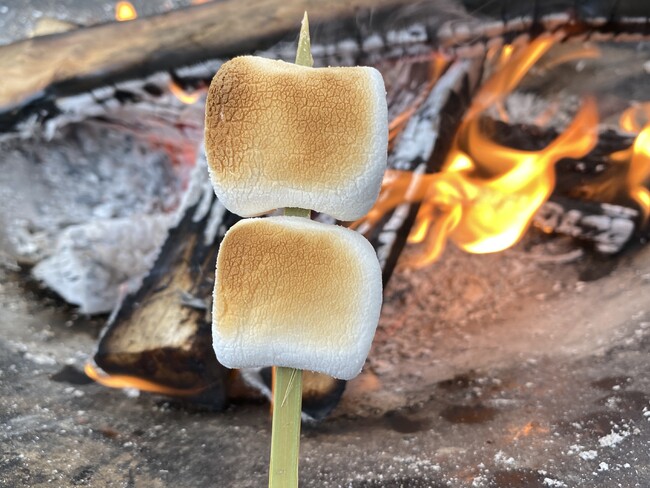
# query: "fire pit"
523,367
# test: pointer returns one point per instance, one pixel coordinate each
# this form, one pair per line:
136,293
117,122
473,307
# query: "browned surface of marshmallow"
309,129
296,293
297,277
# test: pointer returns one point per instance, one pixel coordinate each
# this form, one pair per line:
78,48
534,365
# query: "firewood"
80,60
177,293
606,226
36,87
420,147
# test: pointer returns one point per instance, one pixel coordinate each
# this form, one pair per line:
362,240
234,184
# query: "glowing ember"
531,428
125,381
182,95
486,194
125,11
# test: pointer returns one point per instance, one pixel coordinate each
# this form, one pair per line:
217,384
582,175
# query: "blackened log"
422,146
39,71
606,226
56,65
162,333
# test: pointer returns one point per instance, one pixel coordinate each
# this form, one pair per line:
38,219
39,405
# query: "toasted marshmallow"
296,293
280,135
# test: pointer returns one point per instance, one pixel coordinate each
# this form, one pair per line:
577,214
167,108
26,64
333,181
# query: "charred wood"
421,146
162,333
605,226
42,69
37,88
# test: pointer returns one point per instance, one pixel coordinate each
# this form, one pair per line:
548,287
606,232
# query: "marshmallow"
296,293
281,135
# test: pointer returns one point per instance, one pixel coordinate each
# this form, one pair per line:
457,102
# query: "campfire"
507,141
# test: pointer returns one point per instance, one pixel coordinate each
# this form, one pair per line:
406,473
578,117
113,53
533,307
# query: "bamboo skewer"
287,382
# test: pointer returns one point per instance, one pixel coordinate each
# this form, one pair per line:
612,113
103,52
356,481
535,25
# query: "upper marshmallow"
281,135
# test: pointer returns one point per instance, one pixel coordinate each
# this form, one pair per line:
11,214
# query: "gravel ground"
532,376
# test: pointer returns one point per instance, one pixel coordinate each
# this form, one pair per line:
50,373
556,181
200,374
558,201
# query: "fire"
639,172
126,381
486,195
635,118
182,95
125,11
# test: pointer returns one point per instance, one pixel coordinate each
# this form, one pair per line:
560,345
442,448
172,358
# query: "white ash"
554,483
614,438
40,359
93,265
88,172
588,455
501,458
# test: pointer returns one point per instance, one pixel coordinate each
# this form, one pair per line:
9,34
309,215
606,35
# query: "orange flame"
531,428
125,11
639,172
126,381
635,117
182,95
486,194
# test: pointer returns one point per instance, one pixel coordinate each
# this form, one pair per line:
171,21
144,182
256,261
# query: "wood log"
606,226
177,292
83,59
421,146
39,71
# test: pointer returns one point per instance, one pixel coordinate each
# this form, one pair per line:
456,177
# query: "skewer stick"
287,382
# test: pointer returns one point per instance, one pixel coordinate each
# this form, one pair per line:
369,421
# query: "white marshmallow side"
326,350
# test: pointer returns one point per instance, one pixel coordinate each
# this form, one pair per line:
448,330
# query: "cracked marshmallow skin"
281,135
296,293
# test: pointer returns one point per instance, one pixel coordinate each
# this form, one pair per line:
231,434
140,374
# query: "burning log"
118,51
423,141
606,226
361,32
573,210
177,294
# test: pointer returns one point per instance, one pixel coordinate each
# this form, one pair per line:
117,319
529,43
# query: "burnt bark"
607,227
40,71
163,332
